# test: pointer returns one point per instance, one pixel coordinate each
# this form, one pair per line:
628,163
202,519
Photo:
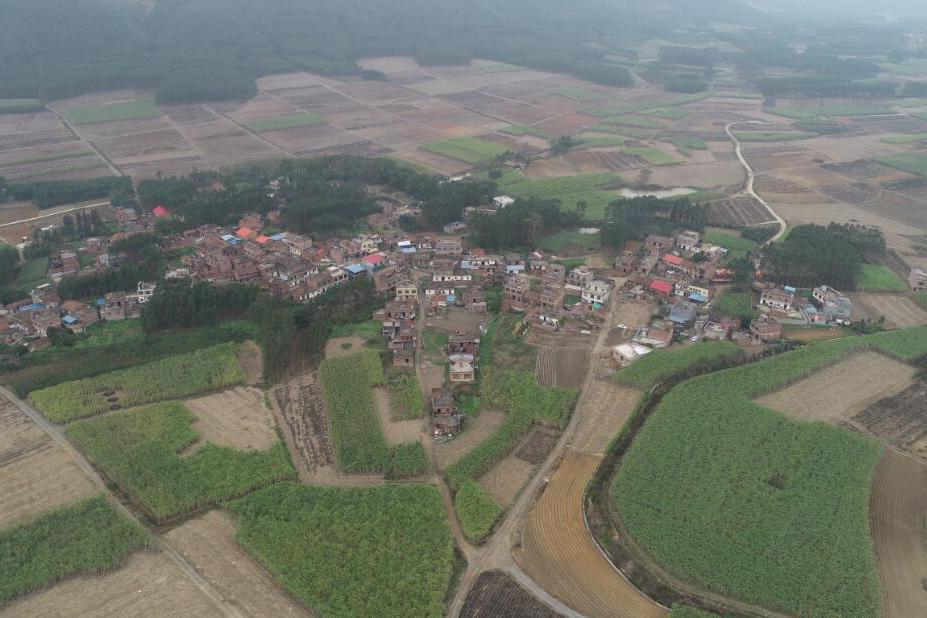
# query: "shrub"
407,399
476,510
406,461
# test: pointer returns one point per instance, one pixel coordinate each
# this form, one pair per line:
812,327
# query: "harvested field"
606,407
208,544
537,446
496,595
455,320
149,585
901,419
899,311
505,480
737,211
771,184
305,427
476,430
343,346
395,432
841,390
898,531
238,418
252,362
36,474
856,193
863,168
562,367
557,552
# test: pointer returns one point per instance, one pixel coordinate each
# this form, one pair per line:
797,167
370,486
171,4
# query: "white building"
502,201
145,291
596,292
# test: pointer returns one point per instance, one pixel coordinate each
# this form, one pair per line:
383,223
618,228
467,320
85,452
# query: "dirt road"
751,178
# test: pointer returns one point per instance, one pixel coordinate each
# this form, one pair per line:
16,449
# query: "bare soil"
899,311
505,479
565,367
208,544
606,408
343,346
302,419
496,595
252,361
237,418
901,420
475,432
535,448
842,390
396,432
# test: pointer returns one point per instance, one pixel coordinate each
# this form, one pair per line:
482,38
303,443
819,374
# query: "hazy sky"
836,6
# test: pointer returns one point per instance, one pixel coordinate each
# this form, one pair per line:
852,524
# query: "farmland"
800,490
564,367
496,594
578,94
900,420
274,123
736,304
476,510
913,162
652,156
407,399
661,365
827,111
87,537
466,149
178,376
875,278
771,136
20,106
590,188
141,451
729,241
127,110
340,551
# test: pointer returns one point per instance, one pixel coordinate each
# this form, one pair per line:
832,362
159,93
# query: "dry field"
237,418
898,530
396,432
149,585
476,430
208,544
842,390
557,552
900,420
605,408
35,473
343,346
564,367
505,479
899,311
496,595
458,320
301,417
737,211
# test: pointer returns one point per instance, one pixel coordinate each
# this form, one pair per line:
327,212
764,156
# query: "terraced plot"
562,366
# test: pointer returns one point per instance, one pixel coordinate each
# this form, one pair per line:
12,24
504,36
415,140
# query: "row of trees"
521,225
47,194
635,218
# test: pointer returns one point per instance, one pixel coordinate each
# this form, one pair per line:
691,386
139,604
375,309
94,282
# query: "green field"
640,122
139,451
829,111
521,129
662,365
685,141
476,511
175,377
578,94
740,500
345,552
772,136
85,538
571,242
684,611
600,142
623,131
272,123
921,299
904,139
912,162
60,156
652,156
729,241
127,110
467,149
32,274
735,305
874,278
671,113
568,189
406,397
20,106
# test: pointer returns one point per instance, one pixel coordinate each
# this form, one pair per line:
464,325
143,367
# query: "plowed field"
564,367
237,418
897,510
496,595
558,553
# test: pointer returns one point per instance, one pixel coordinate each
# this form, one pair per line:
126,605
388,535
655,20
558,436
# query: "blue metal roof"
354,269
698,297
32,307
279,236
70,319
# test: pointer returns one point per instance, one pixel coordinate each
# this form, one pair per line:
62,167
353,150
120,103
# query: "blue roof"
698,297
354,269
811,309
70,319
451,298
227,237
32,307
279,236
101,302
408,249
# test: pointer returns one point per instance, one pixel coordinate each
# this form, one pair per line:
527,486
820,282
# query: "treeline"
635,218
50,193
214,49
122,278
177,304
521,225
812,255
818,86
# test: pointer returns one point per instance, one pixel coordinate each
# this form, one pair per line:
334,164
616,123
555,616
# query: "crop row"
742,501
138,450
661,365
175,377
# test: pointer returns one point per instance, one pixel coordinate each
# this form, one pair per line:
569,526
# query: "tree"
562,145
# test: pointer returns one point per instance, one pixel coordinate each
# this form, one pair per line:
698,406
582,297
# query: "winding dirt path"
751,178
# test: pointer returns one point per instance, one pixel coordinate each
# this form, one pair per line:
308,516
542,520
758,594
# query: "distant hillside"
213,49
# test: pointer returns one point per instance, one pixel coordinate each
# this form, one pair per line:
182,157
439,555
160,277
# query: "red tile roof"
374,259
244,232
262,239
664,287
161,211
675,260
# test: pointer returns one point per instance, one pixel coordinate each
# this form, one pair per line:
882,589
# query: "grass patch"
738,499
355,425
662,365
114,112
406,461
729,241
684,611
904,139
735,305
73,154
367,331
772,136
176,377
568,189
406,397
20,106
273,123
435,344
640,122
671,113
652,156
467,149
81,539
921,299
876,278
521,129
600,142
571,242
578,94
686,141
499,67
912,162
384,551
476,511
138,450
32,274
829,111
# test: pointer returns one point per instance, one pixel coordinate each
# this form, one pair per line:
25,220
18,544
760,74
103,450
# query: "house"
387,278
698,293
658,244
550,300
463,343
296,244
145,291
404,355
580,277
45,319
596,292
406,290
917,279
765,329
445,421
462,371
397,311
553,274
626,353
659,286
657,335
833,305
454,227
778,298
515,264
515,292
625,263
448,245
502,201
474,300
689,241
683,313
119,306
